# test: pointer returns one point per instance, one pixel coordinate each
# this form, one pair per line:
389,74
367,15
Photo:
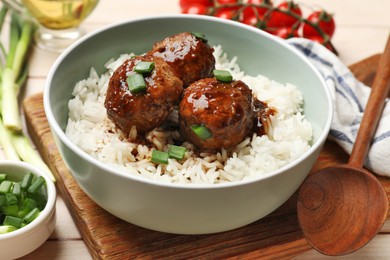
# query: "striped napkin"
350,97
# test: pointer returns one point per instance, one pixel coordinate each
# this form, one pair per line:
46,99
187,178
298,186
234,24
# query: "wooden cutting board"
276,236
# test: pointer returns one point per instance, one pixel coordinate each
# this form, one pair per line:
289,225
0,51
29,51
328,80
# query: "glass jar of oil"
60,14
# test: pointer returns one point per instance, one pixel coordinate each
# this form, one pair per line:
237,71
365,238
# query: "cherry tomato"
325,22
186,3
195,9
249,15
279,19
284,32
225,2
226,12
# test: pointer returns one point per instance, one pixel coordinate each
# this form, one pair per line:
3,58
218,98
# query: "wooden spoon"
341,208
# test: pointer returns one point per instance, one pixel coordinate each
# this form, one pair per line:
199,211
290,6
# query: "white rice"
288,138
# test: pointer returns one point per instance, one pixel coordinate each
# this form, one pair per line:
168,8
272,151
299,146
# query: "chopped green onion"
3,176
11,210
144,67
36,185
12,221
200,36
6,229
22,213
29,203
176,152
136,83
11,199
33,214
19,206
5,187
26,182
16,189
40,199
201,131
160,157
223,75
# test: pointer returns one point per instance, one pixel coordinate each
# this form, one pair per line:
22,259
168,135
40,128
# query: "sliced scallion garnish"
6,229
5,187
200,36
144,67
11,199
136,83
36,185
12,221
20,206
176,152
16,189
26,181
201,131
160,157
223,75
29,203
33,214
10,210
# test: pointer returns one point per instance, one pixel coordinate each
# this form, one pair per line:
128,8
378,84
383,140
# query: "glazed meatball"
189,56
225,109
146,109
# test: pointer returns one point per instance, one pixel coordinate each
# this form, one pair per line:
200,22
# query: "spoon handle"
373,110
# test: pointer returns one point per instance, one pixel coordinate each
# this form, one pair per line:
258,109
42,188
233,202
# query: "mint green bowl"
178,208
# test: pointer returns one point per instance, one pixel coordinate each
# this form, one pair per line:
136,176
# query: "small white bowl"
28,238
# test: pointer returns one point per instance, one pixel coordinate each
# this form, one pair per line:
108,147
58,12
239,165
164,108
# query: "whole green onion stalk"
13,74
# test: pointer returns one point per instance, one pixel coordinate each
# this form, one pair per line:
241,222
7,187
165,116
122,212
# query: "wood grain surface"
276,236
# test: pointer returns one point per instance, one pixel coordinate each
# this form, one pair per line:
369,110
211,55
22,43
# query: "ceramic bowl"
175,208
23,241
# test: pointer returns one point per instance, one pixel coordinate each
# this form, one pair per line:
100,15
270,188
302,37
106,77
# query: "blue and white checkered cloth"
350,97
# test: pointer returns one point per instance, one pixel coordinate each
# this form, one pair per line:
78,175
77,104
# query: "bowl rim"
75,149
50,204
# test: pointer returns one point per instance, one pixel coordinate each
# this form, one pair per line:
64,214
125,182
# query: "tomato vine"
284,19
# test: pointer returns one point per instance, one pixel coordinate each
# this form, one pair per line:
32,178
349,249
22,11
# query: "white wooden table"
362,30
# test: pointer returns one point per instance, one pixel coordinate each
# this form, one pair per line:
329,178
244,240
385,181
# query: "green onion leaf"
223,76
36,185
11,199
176,152
136,83
22,213
11,210
6,229
33,214
40,198
29,204
200,36
12,221
16,189
201,131
5,187
160,157
26,182
144,67
3,176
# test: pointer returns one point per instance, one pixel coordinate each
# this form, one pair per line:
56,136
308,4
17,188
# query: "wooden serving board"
276,236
